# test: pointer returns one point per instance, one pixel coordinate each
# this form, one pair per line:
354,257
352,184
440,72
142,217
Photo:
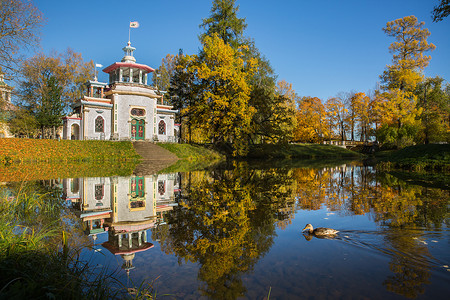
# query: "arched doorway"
75,132
137,129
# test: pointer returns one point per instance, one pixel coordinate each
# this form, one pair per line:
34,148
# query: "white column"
130,240
144,236
140,238
120,240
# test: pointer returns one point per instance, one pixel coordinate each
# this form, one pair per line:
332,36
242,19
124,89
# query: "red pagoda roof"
116,251
127,65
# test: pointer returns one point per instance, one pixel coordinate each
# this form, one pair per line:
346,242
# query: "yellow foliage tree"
312,125
361,106
401,78
68,68
337,115
222,78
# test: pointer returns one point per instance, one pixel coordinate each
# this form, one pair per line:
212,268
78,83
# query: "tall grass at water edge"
37,260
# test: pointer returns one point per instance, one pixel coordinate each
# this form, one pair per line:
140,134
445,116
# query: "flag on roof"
134,24
98,65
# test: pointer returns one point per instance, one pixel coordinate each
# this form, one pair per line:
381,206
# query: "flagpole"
129,33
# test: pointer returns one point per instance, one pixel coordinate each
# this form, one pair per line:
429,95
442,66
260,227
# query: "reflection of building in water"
124,207
91,199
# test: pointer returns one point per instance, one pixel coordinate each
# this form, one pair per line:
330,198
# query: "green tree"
441,11
23,124
224,22
20,24
435,104
183,93
51,110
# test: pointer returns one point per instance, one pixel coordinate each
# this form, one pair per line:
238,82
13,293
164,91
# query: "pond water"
236,232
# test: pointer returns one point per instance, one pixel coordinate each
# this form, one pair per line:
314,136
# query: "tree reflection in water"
227,218
226,222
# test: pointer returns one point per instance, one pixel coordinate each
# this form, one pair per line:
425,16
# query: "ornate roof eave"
116,251
167,111
149,95
95,104
117,65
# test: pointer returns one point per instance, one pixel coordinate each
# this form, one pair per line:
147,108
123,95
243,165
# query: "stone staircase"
154,158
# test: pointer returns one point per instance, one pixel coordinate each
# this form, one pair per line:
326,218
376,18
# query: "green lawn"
431,157
299,151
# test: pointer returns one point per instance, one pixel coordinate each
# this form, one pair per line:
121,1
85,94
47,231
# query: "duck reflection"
124,208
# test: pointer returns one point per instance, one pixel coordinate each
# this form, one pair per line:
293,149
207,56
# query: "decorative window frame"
99,127
162,129
99,191
161,187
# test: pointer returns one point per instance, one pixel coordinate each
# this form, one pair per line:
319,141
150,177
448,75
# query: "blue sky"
321,47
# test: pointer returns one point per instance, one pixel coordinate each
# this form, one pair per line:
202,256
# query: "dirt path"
154,158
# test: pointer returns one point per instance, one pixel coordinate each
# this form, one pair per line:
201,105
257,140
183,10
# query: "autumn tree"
361,107
19,30
226,222
69,69
401,78
337,113
284,111
163,75
312,124
224,22
223,110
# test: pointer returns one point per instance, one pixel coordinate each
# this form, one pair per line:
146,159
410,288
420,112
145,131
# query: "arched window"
161,187
74,185
99,191
99,124
162,127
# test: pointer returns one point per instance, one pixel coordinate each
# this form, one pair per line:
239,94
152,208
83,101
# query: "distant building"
5,107
126,108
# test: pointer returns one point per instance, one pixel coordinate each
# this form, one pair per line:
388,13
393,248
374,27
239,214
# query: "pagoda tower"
136,113
125,108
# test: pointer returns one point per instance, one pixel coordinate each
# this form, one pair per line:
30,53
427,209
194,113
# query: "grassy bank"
37,151
192,157
191,152
49,170
300,151
432,157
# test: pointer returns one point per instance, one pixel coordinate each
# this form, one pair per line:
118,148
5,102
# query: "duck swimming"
320,231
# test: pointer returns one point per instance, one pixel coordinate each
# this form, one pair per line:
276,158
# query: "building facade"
122,208
5,107
126,108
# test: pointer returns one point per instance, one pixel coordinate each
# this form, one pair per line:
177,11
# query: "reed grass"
37,261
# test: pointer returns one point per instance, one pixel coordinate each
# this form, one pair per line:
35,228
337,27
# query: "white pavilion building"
126,108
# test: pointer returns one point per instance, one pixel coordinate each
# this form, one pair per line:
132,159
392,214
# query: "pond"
235,232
